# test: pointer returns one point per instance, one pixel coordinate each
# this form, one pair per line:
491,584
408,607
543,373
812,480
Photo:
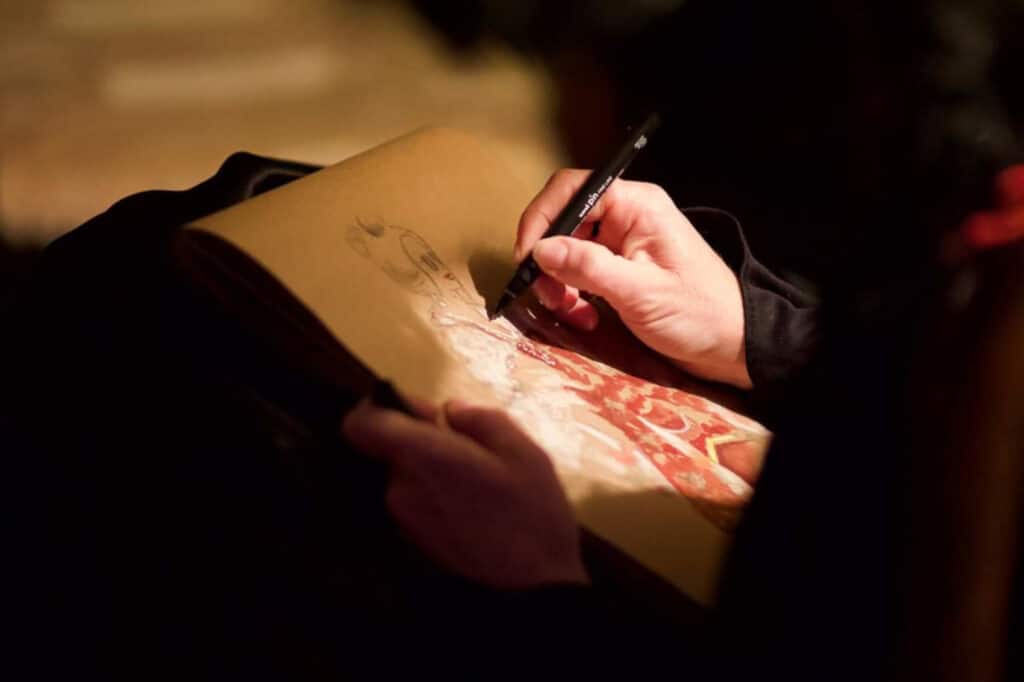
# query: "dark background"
817,123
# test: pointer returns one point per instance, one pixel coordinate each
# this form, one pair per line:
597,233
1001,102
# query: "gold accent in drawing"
714,441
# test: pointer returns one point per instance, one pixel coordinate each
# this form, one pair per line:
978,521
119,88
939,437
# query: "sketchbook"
398,251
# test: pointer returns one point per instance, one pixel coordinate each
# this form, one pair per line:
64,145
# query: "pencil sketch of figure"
408,260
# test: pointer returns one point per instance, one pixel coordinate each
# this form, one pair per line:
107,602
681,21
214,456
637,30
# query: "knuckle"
561,176
564,177
656,193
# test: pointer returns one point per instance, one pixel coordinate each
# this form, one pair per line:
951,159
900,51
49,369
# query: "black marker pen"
579,206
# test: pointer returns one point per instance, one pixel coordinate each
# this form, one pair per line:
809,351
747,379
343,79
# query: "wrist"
732,373
724,357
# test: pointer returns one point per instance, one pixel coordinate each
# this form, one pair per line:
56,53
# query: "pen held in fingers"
570,218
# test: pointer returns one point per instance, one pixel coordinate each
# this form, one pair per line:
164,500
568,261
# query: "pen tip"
502,304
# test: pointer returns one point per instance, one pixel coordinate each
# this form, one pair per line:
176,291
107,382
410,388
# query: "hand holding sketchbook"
396,251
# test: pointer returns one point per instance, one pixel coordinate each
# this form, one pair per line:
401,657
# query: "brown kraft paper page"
395,251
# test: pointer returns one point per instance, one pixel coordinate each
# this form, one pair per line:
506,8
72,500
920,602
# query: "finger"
628,204
491,428
545,207
619,210
422,408
565,302
554,295
592,267
401,440
582,315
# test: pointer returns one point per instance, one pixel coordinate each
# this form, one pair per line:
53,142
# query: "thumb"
592,267
491,428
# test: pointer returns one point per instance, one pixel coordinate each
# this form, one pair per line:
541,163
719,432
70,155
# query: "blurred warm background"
103,98
807,121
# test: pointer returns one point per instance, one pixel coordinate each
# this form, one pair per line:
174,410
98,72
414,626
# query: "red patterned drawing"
636,418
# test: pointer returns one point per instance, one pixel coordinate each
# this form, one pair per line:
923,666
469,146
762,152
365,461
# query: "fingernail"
550,253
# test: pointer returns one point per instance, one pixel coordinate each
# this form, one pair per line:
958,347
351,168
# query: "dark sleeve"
780,318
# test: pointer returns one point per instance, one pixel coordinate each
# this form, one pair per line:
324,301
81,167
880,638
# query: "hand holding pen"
669,287
574,211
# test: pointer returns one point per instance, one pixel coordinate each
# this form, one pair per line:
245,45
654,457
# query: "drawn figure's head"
408,260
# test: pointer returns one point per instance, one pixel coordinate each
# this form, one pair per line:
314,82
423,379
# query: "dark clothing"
780,319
